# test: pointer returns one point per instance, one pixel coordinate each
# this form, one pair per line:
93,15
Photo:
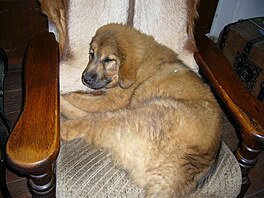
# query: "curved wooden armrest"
34,143
247,110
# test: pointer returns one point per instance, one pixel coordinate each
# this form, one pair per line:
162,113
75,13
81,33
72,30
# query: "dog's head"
112,61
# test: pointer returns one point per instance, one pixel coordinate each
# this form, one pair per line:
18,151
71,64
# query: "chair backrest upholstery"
170,22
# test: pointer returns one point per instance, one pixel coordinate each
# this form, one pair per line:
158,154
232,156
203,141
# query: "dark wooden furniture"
19,20
34,143
245,108
206,10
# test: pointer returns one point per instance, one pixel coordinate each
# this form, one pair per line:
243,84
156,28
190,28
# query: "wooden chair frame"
34,144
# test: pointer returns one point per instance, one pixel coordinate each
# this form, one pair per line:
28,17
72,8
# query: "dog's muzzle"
88,79
92,81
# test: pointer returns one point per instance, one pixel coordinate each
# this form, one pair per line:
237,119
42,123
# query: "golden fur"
158,119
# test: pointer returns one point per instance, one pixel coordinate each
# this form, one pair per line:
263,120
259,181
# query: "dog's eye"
107,60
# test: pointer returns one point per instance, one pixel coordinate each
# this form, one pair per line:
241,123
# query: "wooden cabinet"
19,20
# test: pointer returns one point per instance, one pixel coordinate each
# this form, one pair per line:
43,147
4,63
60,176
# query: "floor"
18,185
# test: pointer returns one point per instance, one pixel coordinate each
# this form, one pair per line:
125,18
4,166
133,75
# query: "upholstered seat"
84,171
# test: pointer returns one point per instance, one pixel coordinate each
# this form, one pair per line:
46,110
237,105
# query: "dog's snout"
88,79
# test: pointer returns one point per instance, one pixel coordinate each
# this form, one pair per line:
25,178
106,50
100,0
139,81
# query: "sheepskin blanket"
170,22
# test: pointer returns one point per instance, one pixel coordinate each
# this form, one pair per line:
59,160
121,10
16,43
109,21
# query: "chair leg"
247,158
43,185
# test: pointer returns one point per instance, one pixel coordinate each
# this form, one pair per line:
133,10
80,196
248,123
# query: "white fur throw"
165,20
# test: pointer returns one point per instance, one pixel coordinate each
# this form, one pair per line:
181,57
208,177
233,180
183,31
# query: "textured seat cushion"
83,171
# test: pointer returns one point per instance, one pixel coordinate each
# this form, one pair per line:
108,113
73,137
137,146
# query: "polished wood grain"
33,146
39,121
226,81
247,111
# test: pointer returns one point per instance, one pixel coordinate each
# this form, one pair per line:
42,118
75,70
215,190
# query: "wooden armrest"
34,143
244,107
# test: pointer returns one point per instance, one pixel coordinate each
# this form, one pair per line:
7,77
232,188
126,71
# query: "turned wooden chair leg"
43,185
247,158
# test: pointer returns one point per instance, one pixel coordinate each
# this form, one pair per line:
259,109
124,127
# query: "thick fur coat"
160,122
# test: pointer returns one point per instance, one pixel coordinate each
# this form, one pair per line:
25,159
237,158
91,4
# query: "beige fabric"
83,171
83,19
166,21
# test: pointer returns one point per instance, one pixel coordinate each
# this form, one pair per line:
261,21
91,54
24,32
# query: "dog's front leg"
112,99
69,110
72,129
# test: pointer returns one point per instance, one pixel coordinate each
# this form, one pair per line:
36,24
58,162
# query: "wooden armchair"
247,111
34,144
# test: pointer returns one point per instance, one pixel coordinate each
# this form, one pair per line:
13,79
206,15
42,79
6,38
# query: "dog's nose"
88,79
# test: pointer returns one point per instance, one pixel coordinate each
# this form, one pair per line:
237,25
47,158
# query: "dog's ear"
127,72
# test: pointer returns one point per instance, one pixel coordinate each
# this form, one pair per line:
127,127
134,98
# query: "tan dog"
158,119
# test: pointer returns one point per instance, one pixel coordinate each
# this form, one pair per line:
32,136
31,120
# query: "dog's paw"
69,130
